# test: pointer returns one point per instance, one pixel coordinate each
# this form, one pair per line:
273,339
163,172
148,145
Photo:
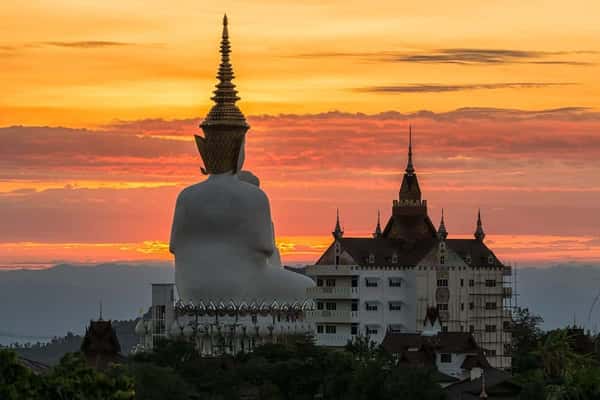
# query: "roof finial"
442,232
225,112
410,169
377,233
100,319
337,232
479,233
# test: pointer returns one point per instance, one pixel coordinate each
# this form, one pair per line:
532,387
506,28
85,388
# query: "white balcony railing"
332,292
332,316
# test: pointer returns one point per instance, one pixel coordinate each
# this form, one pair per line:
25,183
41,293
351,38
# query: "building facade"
369,286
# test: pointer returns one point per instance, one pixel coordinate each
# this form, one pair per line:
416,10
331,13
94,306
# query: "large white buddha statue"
222,235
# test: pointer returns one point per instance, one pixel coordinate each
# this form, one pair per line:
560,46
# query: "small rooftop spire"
100,319
377,233
337,232
410,169
442,232
225,112
479,233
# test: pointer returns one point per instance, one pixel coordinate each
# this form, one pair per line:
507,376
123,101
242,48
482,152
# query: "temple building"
386,283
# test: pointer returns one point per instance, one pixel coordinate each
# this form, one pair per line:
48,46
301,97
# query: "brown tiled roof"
443,342
496,382
383,249
410,253
478,251
476,360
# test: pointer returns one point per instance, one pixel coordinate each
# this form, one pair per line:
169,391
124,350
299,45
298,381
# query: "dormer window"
442,259
491,259
394,258
371,258
468,259
442,246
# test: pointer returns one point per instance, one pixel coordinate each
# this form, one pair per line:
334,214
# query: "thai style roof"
100,344
443,342
497,384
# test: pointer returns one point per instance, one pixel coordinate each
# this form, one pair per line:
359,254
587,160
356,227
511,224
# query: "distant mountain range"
46,303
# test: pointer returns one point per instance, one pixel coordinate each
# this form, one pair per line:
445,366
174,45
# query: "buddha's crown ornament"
224,126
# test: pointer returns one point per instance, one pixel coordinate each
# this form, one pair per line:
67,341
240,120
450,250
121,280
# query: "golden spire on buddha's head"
224,126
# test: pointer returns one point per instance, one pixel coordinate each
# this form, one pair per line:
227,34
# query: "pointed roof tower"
224,126
410,169
442,232
479,233
409,220
377,232
337,232
409,190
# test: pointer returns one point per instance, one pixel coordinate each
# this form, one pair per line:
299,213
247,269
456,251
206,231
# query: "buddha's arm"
178,221
263,238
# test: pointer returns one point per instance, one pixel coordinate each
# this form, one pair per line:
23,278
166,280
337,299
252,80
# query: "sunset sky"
100,101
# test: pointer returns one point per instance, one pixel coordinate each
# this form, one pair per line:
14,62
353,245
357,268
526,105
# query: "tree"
16,381
526,335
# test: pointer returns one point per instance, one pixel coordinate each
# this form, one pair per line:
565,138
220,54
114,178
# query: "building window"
354,305
446,358
394,258
354,329
330,282
442,306
471,282
490,328
371,258
371,330
371,306
393,328
355,281
490,306
490,259
319,305
442,282
471,328
468,259
442,259
445,329
331,306
395,306
462,306
490,352
395,282
371,282
490,283
330,329
507,349
319,282
506,325
471,306
319,328
462,282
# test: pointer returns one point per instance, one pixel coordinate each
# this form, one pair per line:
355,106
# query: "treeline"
562,364
51,352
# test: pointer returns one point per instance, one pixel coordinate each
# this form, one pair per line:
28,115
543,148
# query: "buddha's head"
225,127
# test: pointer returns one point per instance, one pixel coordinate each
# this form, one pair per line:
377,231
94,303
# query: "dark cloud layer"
440,88
464,56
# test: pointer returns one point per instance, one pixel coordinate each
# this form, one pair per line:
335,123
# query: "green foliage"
71,379
295,370
526,335
16,381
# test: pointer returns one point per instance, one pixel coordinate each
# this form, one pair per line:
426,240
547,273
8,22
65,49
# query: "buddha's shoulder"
233,187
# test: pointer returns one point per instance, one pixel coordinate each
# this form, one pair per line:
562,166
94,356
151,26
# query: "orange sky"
99,102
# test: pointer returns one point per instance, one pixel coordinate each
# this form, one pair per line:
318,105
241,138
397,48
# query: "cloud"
464,56
89,44
438,88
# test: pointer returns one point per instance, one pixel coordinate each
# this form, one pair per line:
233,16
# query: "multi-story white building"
368,286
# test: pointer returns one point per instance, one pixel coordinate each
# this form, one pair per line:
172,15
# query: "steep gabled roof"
478,251
383,250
